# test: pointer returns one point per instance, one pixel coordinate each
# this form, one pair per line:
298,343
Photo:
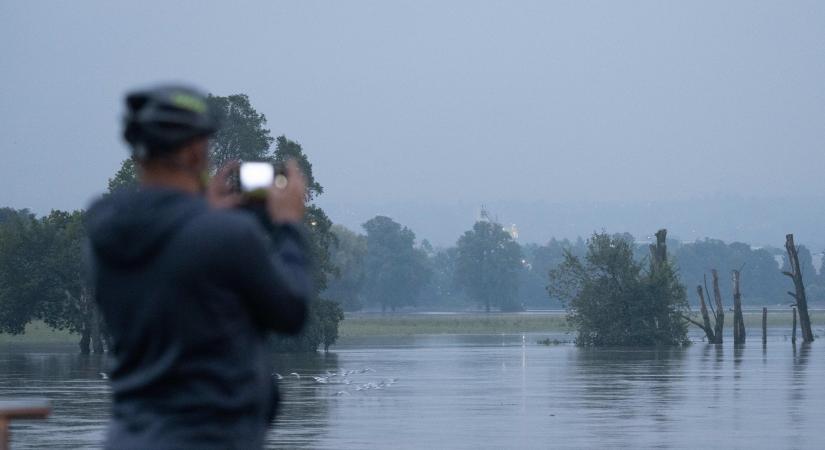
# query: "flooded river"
484,391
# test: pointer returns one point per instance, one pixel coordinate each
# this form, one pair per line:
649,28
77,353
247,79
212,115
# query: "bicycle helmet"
161,119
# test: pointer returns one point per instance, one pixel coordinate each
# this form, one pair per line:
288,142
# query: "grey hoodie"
188,295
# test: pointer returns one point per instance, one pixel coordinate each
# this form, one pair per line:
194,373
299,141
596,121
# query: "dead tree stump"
799,295
738,320
713,333
793,329
720,309
764,326
705,316
658,252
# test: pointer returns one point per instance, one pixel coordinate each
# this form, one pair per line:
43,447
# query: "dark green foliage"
762,282
395,269
321,329
321,240
348,256
125,177
540,260
286,149
613,300
243,134
442,292
43,275
488,264
66,302
21,271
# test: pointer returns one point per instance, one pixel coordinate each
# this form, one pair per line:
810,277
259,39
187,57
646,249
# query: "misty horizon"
627,117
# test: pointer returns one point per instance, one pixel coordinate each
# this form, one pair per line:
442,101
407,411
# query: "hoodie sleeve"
272,276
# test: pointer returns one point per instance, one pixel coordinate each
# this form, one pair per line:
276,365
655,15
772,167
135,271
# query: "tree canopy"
487,266
243,134
395,269
614,300
348,255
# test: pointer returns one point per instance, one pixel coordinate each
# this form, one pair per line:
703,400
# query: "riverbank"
364,324
408,324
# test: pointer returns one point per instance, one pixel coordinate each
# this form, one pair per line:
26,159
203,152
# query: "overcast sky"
437,102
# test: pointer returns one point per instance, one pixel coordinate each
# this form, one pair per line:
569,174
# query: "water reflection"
496,391
628,389
799,406
303,411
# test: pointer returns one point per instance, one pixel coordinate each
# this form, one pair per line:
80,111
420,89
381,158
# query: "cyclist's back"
188,292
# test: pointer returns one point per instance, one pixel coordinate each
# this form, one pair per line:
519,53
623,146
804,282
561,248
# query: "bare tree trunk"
85,337
738,320
801,300
720,309
658,252
705,316
793,329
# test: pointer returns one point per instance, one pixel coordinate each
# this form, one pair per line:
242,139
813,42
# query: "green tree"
540,260
125,177
22,276
321,329
613,301
67,300
243,134
43,276
395,269
442,292
286,149
488,265
348,255
762,282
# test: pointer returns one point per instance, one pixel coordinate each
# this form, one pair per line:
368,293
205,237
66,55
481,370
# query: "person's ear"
196,154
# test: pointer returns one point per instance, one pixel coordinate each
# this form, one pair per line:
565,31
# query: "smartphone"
257,177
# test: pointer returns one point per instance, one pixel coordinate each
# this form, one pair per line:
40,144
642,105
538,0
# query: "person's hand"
219,193
286,204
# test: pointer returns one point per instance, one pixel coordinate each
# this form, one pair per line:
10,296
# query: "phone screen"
256,175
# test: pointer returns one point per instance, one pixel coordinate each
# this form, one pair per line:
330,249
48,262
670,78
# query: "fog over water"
556,114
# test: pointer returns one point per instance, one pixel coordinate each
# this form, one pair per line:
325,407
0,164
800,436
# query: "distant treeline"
44,262
387,268
382,266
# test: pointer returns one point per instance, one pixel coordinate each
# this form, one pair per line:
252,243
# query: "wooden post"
738,320
799,295
720,309
793,332
19,409
764,326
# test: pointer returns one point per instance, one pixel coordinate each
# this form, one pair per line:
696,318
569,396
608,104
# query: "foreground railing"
19,409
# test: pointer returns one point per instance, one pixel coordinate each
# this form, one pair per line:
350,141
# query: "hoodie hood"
129,227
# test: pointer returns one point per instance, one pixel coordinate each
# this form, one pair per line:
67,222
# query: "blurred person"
190,285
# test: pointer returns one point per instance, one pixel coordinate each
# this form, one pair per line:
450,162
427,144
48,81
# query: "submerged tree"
614,300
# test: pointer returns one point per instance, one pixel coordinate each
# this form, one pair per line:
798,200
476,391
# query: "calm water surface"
491,391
